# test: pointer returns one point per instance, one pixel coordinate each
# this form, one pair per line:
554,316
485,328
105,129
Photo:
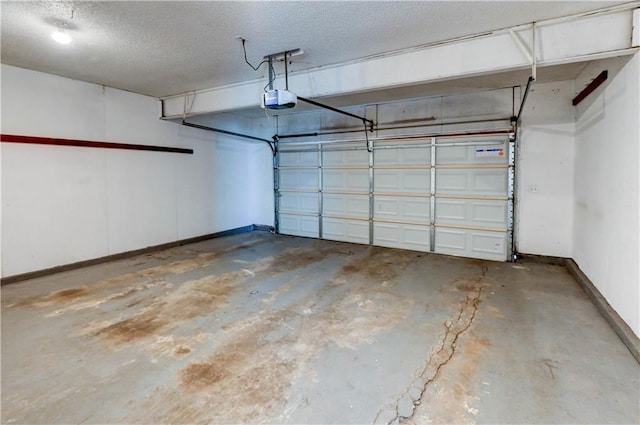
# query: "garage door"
450,194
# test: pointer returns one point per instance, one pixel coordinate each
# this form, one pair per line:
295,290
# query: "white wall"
544,215
66,204
606,228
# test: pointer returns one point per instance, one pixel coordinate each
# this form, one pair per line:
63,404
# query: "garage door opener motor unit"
278,99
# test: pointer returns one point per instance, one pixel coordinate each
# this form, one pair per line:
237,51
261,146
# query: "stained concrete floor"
276,329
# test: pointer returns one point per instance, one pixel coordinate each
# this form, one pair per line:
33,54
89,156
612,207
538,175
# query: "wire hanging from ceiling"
244,49
269,62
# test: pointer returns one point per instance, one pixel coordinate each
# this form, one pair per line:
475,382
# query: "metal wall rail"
469,166
301,213
471,227
13,138
471,196
395,221
345,192
345,217
402,167
402,194
297,167
410,146
396,127
400,221
390,167
292,190
407,137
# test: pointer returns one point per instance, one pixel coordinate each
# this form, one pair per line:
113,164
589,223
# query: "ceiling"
160,48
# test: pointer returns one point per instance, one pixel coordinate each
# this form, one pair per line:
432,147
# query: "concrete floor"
276,329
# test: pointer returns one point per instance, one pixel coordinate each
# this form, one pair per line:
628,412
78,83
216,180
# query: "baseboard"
541,259
624,332
128,254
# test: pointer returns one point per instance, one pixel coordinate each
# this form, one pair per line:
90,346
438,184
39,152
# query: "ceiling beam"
557,41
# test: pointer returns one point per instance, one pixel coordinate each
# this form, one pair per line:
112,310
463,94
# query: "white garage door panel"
492,181
298,159
304,202
484,154
351,180
402,208
360,157
472,243
493,244
408,181
299,179
494,213
471,212
345,230
414,156
299,225
354,205
406,236
467,215
479,181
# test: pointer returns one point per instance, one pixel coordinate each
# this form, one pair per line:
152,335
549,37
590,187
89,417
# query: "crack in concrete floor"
404,407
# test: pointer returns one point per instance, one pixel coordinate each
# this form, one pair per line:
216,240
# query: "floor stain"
68,294
243,380
63,296
97,300
380,264
465,288
140,326
137,277
176,345
195,298
200,375
247,378
298,258
182,350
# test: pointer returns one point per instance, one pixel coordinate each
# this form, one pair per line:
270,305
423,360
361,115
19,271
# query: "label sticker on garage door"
490,152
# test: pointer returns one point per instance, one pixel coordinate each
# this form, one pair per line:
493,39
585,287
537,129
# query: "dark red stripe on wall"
601,78
12,138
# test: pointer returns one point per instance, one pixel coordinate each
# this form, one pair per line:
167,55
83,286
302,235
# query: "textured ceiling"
161,48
